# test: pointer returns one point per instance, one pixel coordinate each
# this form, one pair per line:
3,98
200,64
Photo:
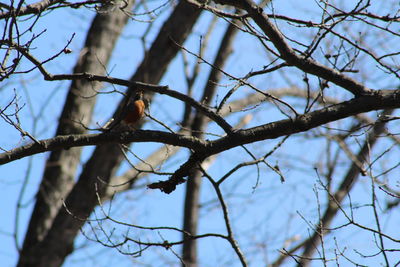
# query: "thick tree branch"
68,141
381,100
384,99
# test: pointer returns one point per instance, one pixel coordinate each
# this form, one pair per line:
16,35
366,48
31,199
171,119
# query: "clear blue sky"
273,208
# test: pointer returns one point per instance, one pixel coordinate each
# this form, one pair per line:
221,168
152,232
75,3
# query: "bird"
131,113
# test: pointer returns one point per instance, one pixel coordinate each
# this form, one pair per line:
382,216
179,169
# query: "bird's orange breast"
135,112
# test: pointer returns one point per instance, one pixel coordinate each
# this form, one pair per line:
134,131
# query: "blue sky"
267,208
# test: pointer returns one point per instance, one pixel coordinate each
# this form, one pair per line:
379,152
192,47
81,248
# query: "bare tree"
278,119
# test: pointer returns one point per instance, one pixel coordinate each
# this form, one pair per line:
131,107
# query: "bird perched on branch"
131,113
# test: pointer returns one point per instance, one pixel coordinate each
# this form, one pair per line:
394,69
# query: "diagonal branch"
288,54
305,122
88,77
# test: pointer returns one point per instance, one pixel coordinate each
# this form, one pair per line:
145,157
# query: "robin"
130,115
133,111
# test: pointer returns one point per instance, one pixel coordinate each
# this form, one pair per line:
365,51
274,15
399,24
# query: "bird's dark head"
138,96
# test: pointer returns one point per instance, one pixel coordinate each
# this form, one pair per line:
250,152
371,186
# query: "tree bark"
57,243
58,177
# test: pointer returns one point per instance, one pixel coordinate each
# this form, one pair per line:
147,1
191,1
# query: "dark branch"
288,54
68,141
305,122
39,7
380,100
130,84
